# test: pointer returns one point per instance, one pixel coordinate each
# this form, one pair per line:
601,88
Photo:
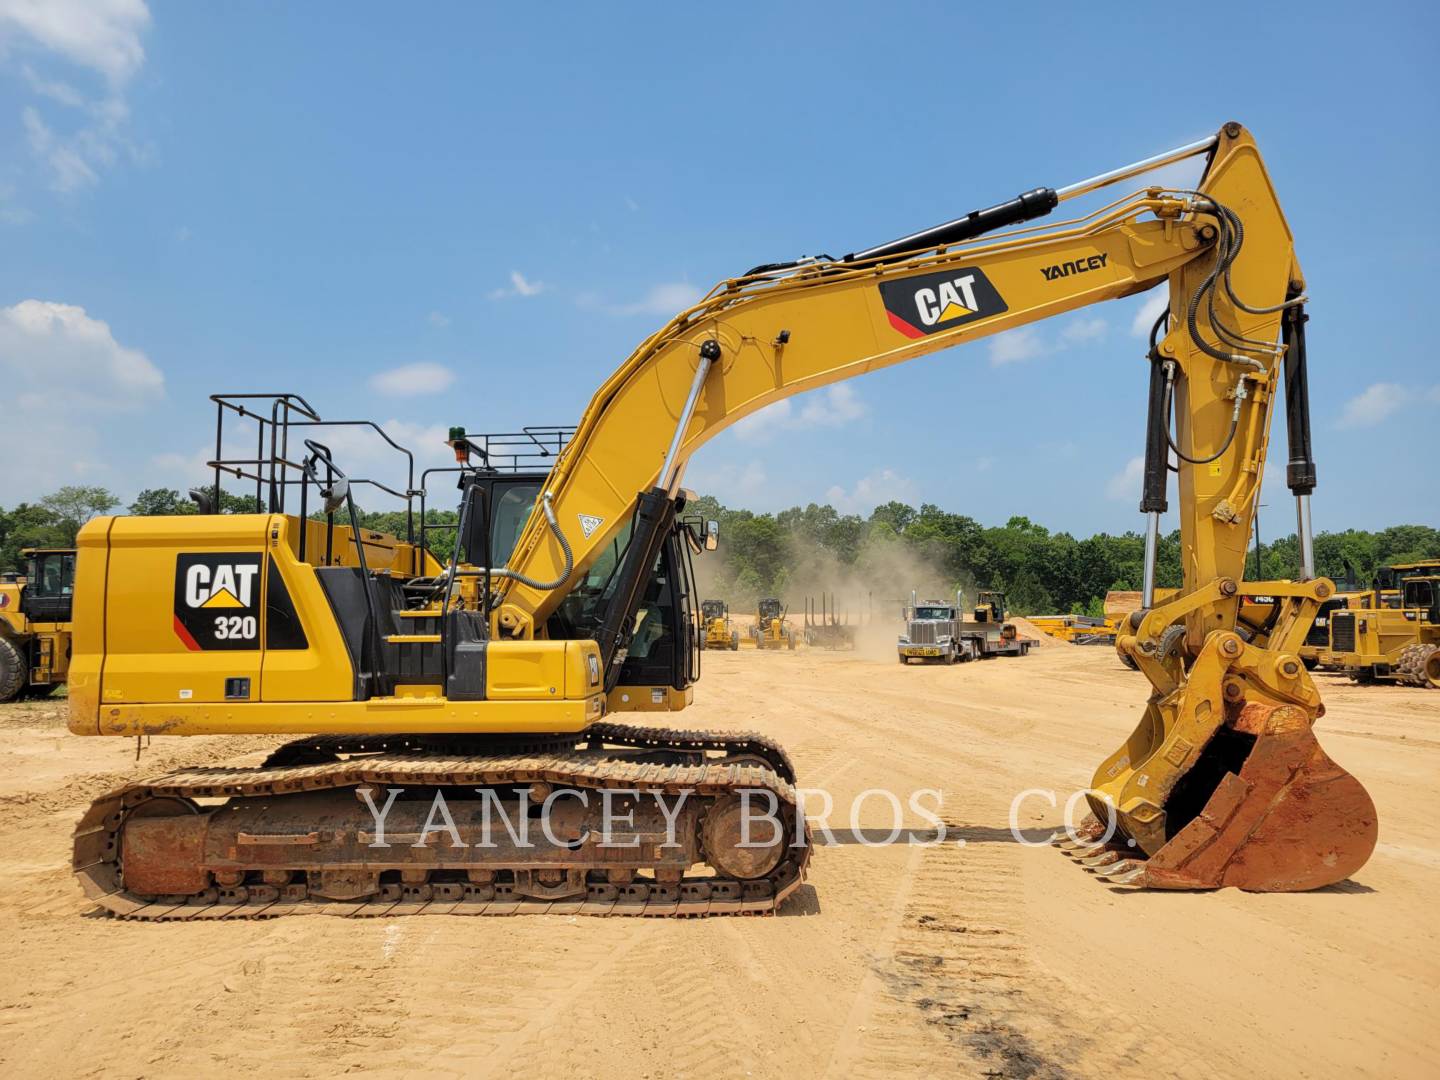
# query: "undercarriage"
618,820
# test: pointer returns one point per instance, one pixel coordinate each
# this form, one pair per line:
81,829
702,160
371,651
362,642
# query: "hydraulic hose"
515,575
1163,424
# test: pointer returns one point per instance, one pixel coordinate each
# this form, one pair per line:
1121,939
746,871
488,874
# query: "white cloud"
412,380
669,298
184,471
69,168
870,491
57,352
834,406
1029,342
1372,405
520,285
729,482
438,319
1079,331
1015,346
761,426
1156,301
1434,394
53,89
1125,484
102,35
73,389
10,213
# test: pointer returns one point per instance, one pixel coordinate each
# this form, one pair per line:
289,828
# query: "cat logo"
931,303
217,601
228,585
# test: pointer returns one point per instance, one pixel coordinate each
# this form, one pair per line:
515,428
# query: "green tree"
71,507
156,501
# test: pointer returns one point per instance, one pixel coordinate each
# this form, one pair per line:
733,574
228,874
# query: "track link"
748,762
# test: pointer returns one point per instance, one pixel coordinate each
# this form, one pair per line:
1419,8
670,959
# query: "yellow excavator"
426,697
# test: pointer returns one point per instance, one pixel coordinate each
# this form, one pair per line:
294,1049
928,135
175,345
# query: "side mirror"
335,495
712,535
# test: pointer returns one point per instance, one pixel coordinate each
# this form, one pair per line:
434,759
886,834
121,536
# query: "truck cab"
932,633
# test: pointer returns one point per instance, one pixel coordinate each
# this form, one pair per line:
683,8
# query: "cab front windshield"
934,613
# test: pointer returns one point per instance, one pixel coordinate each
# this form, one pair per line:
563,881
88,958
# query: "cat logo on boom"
217,601
931,303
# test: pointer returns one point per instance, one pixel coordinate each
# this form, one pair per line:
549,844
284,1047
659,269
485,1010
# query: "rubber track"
97,844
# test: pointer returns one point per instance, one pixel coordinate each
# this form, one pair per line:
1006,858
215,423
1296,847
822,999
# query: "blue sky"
309,197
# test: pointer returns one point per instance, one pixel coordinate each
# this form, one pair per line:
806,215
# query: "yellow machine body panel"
179,637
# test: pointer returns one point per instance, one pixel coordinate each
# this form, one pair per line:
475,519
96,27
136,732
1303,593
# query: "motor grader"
716,632
771,631
418,694
35,627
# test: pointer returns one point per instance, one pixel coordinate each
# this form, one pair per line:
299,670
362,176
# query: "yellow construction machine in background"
771,630
715,629
1076,629
35,623
1392,634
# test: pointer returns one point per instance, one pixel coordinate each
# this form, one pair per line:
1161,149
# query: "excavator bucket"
1260,806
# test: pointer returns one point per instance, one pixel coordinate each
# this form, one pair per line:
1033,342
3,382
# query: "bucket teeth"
1105,858
1132,877
1117,868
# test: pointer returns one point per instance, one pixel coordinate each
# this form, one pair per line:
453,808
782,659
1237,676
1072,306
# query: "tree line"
804,550
55,520
899,547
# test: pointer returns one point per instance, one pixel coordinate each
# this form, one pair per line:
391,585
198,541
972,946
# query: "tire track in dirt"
959,961
80,790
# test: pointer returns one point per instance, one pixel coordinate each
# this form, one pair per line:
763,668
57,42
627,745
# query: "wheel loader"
771,631
716,632
425,698
1397,639
35,626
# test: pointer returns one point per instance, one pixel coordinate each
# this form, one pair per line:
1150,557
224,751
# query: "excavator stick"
1249,800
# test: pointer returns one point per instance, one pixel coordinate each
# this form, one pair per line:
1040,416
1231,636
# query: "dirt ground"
987,959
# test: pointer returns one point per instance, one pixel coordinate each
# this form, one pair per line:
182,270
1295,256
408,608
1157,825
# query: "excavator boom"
1222,782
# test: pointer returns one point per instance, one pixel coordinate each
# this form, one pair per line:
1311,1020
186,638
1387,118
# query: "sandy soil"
989,958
